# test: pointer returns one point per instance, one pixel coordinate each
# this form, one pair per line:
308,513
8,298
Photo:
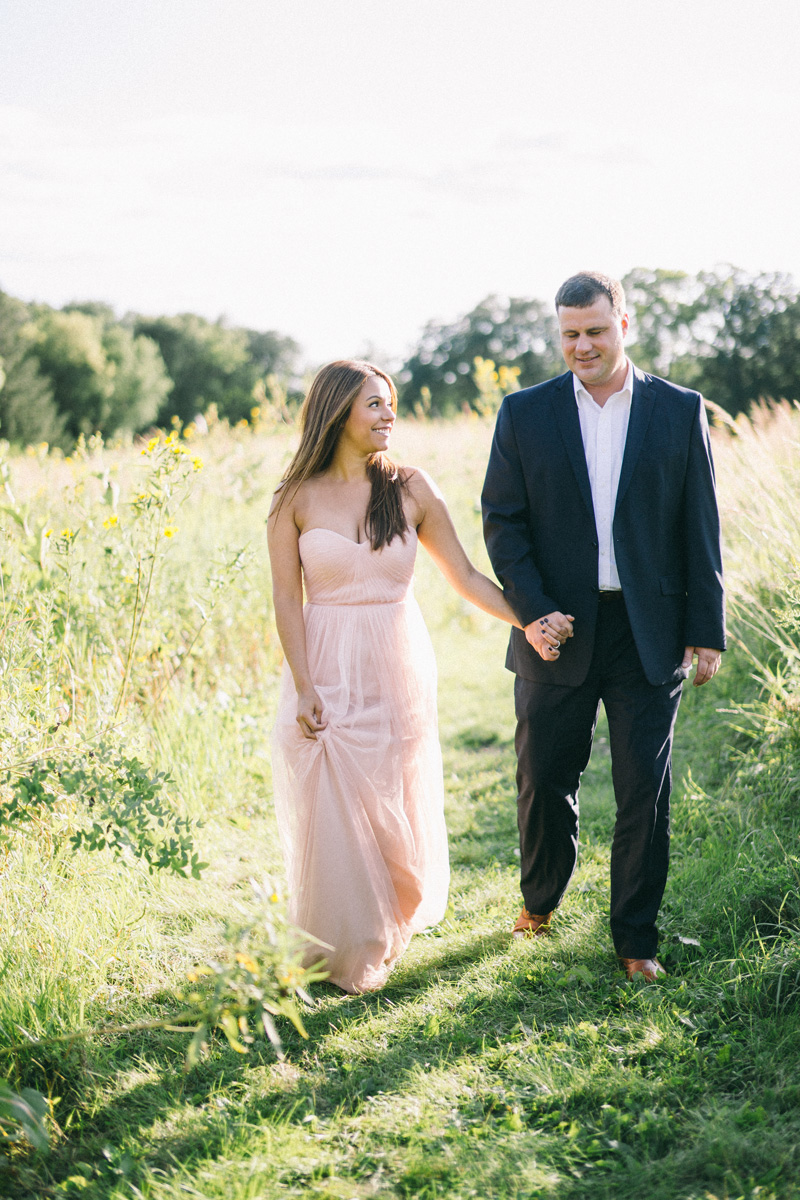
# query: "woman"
356,763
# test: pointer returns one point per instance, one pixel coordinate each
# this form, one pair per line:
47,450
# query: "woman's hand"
309,714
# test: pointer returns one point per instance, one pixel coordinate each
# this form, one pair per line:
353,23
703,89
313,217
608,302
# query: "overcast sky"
345,171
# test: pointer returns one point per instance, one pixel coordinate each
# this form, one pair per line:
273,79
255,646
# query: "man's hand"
707,663
548,634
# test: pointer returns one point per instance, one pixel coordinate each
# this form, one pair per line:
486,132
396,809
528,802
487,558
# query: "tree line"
79,369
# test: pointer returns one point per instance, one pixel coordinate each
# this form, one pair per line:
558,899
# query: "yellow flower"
273,898
67,533
170,530
48,533
151,445
171,437
197,463
247,962
110,521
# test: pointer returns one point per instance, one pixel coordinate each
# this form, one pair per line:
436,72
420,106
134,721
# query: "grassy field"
484,1068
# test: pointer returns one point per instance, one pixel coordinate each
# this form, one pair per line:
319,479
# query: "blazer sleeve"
705,597
506,525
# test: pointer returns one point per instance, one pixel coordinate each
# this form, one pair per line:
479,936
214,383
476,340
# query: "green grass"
485,1068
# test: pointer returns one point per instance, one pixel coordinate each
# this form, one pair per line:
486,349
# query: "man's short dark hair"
581,290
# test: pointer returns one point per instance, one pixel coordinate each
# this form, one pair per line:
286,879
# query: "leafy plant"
23,1114
110,799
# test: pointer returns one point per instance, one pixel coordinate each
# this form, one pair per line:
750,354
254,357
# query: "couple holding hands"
601,523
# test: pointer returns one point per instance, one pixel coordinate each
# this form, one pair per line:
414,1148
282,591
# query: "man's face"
592,341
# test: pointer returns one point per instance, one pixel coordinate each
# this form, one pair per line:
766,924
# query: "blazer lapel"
565,410
641,412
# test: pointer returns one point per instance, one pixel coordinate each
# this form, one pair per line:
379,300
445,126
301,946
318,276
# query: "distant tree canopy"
211,363
733,336
103,377
511,332
28,412
76,370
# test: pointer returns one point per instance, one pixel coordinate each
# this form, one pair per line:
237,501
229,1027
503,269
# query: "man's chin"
590,374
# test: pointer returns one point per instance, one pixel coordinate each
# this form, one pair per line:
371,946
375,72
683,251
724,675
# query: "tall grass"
484,1068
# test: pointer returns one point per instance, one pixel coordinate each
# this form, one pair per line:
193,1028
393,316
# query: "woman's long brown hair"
322,419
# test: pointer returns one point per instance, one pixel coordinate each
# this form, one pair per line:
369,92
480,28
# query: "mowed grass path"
485,1068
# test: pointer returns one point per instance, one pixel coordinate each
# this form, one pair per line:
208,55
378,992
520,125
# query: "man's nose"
584,343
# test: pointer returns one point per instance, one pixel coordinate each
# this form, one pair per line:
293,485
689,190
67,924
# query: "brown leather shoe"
531,924
651,968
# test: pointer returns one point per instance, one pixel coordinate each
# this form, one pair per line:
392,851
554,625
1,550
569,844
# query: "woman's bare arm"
437,534
287,595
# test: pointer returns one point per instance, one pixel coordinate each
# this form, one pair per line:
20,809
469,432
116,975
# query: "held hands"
548,634
309,714
707,663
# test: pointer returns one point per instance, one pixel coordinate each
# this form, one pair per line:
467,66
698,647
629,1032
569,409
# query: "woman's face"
371,418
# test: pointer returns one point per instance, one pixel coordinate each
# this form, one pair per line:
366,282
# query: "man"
601,523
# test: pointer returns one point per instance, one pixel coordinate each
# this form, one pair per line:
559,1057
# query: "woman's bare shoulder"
419,483
288,498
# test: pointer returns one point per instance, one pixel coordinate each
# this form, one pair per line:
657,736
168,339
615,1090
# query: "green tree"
27,410
732,335
210,363
520,333
660,307
746,330
141,384
103,376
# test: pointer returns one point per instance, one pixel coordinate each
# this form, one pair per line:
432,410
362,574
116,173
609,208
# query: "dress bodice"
338,570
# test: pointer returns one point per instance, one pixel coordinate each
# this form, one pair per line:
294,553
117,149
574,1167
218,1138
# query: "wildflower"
48,533
151,445
246,961
170,530
171,437
110,522
197,463
67,533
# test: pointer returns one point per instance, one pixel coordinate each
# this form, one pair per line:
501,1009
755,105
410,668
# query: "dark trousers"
555,727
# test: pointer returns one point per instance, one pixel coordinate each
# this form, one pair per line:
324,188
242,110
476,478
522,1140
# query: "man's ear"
625,323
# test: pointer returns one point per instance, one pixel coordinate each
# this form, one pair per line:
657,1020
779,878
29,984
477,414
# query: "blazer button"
595,545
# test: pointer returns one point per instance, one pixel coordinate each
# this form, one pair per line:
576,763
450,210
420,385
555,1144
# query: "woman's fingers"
309,715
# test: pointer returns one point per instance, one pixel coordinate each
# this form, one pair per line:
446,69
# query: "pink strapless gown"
360,809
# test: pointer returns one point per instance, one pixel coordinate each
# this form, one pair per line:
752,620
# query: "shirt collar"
626,390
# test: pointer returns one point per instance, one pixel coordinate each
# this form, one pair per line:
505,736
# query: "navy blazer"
540,530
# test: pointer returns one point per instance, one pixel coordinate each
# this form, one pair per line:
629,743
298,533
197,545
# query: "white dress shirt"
604,431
